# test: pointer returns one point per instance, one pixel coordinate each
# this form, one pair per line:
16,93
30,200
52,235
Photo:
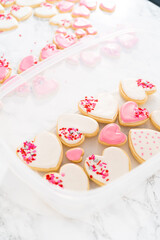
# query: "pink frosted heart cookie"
5,70
155,119
111,135
45,10
30,3
49,50
81,23
91,31
62,20
113,163
90,4
75,154
61,30
21,13
64,41
90,58
80,33
26,63
7,22
144,143
73,128
108,6
44,153
81,11
103,107
7,3
136,90
71,177
131,115
65,6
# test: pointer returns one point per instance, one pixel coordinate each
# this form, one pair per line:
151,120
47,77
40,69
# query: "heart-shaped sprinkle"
64,41
27,62
75,154
112,135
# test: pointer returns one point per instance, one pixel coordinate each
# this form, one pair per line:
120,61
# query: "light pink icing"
81,23
65,6
91,31
27,62
42,87
61,30
90,4
81,11
74,154
112,135
129,112
108,5
80,32
3,72
64,41
8,79
48,51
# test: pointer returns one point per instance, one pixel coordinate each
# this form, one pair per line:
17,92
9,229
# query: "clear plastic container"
31,105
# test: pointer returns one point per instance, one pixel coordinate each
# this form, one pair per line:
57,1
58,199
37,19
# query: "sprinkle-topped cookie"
5,70
21,13
7,22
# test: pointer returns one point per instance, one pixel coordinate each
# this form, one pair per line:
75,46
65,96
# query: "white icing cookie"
7,3
21,13
155,118
72,129
136,90
1,9
144,143
103,107
113,163
71,177
46,10
43,154
63,20
30,3
7,22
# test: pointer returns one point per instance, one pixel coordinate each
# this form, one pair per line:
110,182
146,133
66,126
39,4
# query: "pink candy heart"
75,154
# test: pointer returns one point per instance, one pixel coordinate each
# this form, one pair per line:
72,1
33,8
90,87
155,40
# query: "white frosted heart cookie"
62,20
113,163
7,3
71,177
21,13
136,90
155,119
30,3
103,107
144,143
72,129
7,22
45,10
44,153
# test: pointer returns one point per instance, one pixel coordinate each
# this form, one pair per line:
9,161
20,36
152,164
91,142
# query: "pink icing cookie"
144,143
113,163
7,3
43,87
75,154
62,20
131,115
65,6
71,177
108,5
80,33
111,49
111,135
90,58
5,70
26,63
81,11
91,31
47,51
128,40
81,23
90,4
61,30
64,41
7,22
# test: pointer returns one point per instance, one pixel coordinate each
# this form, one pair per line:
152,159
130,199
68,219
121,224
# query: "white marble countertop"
24,216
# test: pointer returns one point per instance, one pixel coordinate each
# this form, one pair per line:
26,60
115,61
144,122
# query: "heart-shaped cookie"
7,3
144,143
107,5
113,163
62,20
21,13
155,119
75,154
5,70
64,41
103,107
90,4
26,63
136,90
111,135
81,11
44,153
80,32
30,3
65,6
131,115
71,177
7,22
45,10
81,23
49,50
72,129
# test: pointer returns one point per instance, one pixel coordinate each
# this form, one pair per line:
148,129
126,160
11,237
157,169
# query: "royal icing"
103,105
136,88
61,30
112,135
145,142
131,113
31,3
112,164
90,4
43,153
63,20
7,22
81,11
111,49
108,5
7,3
81,23
65,6
48,50
75,154
43,87
73,127
155,116
1,9
20,12
90,58
71,177
27,62
80,32
91,31
128,40
4,69
64,41
45,10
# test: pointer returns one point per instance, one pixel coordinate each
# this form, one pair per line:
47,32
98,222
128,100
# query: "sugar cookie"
21,13
1,9
49,50
26,63
75,154
62,20
73,128
7,3
155,119
113,163
5,70
64,6
71,177
144,143
108,6
46,10
64,41
7,22
111,135
61,30
131,115
91,31
136,90
30,3
81,23
80,33
44,153
103,107
90,4
81,11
